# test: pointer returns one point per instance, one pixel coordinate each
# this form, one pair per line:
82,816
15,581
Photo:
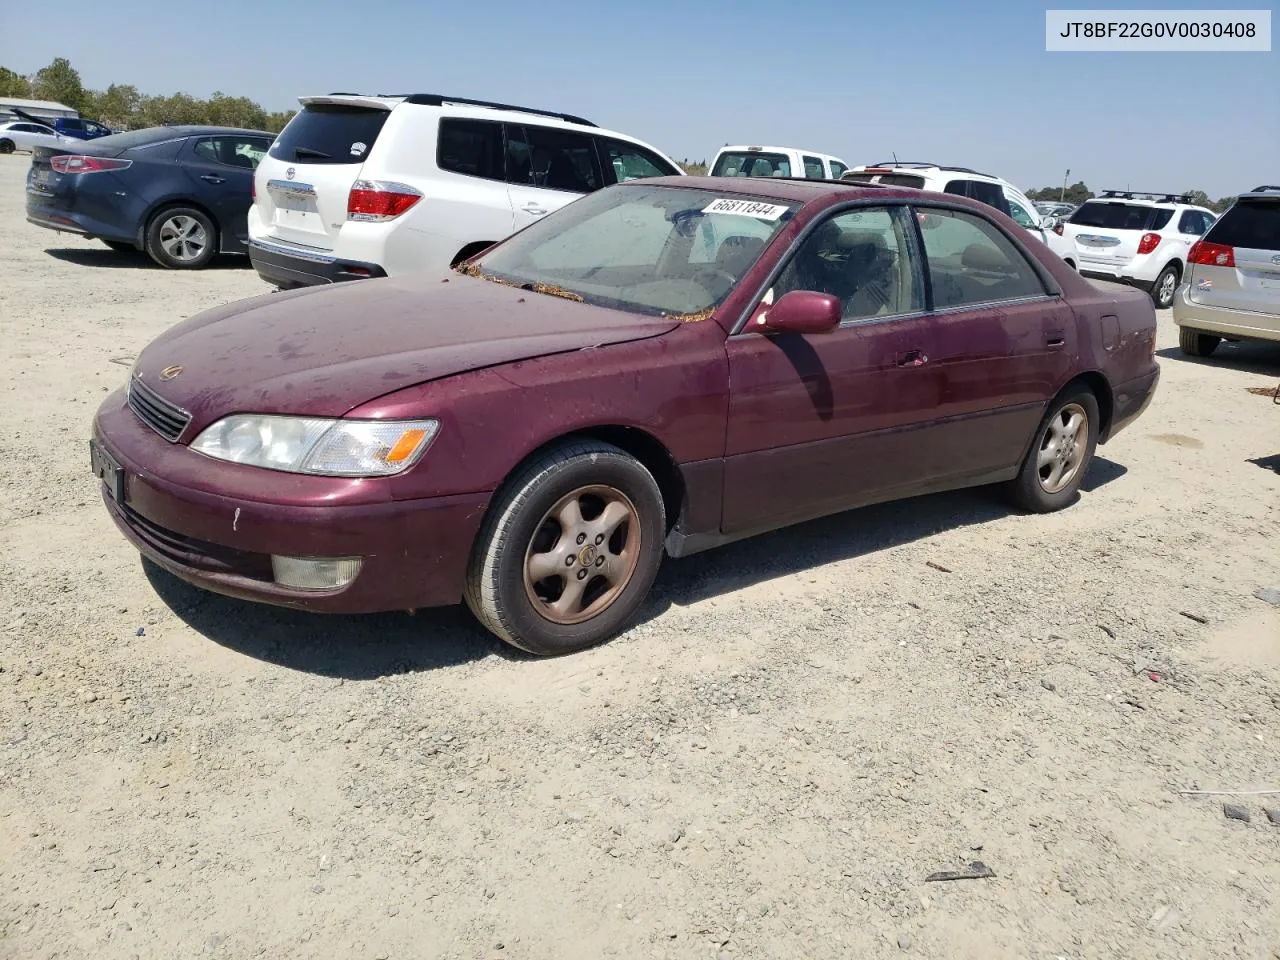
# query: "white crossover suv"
1142,239
369,186
961,181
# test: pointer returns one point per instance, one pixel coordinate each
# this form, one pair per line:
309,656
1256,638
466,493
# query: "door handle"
210,178
912,358
534,209
1055,341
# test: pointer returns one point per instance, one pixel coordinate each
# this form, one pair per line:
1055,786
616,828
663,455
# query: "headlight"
334,448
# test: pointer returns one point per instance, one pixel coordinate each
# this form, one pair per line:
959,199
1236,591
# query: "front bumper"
193,517
1224,321
288,266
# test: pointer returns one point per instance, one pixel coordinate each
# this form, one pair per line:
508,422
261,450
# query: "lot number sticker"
746,208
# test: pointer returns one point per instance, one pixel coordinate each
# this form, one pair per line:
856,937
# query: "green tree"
13,84
117,106
59,82
1077,193
277,119
698,169
1199,198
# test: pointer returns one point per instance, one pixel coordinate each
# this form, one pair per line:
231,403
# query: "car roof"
194,129
758,148
921,166
800,190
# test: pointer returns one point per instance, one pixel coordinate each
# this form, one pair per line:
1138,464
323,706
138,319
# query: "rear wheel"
181,238
1163,289
569,549
1059,458
1197,344
6,145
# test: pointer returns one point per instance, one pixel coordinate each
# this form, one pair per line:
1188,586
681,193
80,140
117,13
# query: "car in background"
1051,208
1231,289
27,135
532,431
1133,237
743,161
180,193
81,129
960,181
359,186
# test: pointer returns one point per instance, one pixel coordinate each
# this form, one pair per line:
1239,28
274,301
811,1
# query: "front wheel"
569,549
181,238
1166,284
1059,458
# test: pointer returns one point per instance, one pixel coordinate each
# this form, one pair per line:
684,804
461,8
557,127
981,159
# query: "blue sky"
968,84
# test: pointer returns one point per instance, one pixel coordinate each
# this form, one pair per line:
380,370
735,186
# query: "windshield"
751,163
646,248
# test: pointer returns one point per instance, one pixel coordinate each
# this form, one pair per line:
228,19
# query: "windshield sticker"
746,208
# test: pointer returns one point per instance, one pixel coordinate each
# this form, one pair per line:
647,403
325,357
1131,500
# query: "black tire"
177,220
1030,490
6,145
1196,344
121,246
496,588
1162,290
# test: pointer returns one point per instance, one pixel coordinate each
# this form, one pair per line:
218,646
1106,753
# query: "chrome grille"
159,414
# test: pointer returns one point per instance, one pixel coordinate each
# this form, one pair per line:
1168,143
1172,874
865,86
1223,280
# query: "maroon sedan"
660,366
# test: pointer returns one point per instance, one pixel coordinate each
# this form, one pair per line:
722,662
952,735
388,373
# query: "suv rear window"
751,164
889,179
329,133
1252,224
1120,216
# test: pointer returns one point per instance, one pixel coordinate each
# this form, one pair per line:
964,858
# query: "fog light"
315,573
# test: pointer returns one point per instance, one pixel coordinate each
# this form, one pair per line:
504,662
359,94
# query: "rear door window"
329,133
243,152
992,194
837,169
626,161
1251,224
971,261
470,147
813,169
552,159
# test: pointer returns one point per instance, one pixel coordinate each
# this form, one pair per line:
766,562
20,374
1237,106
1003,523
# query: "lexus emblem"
168,373
290,173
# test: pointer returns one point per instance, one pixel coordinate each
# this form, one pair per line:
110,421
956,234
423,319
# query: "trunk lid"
1107,232
324,351
303,182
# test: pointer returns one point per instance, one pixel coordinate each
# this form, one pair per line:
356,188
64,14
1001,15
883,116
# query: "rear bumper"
1094,273
62,212
414,552
289,266
1226,321
1130,399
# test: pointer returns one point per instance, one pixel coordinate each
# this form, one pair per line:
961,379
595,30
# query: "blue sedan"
179,193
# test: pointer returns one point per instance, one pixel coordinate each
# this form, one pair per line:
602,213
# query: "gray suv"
1231,290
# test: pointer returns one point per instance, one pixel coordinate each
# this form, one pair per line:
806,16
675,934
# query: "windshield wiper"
300,152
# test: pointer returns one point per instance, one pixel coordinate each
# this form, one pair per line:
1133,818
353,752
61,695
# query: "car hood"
323,351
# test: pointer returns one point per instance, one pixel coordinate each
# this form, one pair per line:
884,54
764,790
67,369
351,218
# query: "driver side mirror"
800,311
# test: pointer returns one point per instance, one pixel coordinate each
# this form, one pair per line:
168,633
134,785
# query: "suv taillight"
1212,254
74,163
379,200
1148,242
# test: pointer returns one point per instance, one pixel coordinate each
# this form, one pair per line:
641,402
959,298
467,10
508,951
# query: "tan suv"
1232,286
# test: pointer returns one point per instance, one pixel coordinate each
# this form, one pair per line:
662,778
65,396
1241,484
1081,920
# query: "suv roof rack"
1266,188
438,99
930,165
1159,196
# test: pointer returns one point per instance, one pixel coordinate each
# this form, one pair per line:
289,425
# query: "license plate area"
108,470
293,201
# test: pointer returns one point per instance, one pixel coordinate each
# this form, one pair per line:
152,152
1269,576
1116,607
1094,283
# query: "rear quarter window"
1251,224
470,147
329,133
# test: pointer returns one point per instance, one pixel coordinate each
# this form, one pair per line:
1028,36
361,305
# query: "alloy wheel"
1063,447
183,238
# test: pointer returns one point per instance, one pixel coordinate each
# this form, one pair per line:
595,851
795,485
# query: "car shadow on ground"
378,645
1250,356
133,259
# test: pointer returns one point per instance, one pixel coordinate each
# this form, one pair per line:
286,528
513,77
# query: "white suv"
1136,238
776,162
961,181
359,186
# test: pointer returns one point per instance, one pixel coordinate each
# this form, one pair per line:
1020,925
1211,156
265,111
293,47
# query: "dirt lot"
803,728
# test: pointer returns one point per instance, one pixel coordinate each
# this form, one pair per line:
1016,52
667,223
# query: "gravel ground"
804,727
